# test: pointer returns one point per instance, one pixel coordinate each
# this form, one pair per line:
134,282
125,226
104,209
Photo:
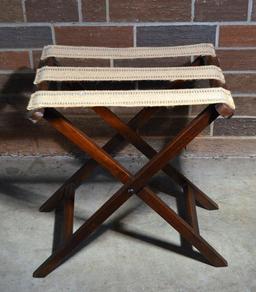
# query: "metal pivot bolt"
131,191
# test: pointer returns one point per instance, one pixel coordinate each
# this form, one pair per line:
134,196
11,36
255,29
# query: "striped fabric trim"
127,74
58,51
130,98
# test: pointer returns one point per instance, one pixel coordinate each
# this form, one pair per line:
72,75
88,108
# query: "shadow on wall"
20,136
16,89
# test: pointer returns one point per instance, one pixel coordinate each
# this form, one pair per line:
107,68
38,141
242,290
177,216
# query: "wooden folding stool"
60,86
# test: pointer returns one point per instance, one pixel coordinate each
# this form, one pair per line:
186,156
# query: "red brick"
238,35
20,136
95,36
16,134
221,10
167,127
245,106
254,11
84,62
175,35
150,10
129,112
108,85
48,10
158,62
156,127
235,127
11,11
241,83
50,142
42,139
223,146
14,60
94,10
36,58
237,59
25,37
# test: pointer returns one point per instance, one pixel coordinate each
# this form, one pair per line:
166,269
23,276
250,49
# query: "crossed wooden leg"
133,185
136,140
116,143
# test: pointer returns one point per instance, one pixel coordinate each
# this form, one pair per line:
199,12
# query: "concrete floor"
135,250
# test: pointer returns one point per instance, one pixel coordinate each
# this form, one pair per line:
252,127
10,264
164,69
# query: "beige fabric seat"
127,53
128,98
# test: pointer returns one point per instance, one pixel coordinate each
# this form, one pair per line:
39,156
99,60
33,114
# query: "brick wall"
27,25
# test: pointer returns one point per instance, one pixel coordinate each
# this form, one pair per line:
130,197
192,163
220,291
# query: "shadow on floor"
115,224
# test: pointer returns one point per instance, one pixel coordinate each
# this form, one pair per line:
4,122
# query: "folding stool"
62,86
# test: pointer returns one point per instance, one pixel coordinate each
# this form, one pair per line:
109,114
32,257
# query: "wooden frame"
132,184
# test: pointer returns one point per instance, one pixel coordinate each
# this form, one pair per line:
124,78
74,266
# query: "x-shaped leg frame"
133,184
115,144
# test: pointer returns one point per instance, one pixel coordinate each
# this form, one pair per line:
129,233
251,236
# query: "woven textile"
127,53
128,98
122,74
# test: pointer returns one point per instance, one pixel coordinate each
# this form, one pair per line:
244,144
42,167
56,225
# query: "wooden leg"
183,228
191,216
109,208
116,143
81,234
132,185
115,168
64,217
134,138
161,159
188,213
138,121
204,119
68,201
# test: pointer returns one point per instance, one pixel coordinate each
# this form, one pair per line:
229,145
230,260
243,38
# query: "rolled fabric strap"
48,73
57,51
131,98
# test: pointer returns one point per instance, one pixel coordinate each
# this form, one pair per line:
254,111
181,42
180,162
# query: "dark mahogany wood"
115,144
191,216
133,137
132,185
68,202
204,119
183,228
81,234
